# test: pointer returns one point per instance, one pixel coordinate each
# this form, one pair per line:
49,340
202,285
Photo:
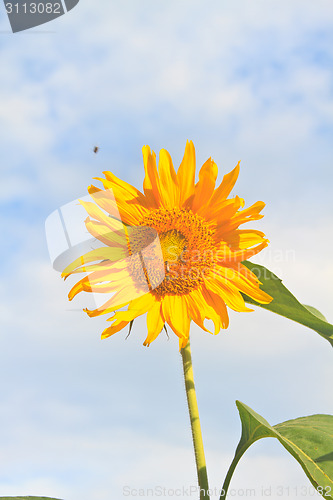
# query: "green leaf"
28,498
315,311
285,304
308,439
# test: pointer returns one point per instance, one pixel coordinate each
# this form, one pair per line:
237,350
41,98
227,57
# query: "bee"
96,149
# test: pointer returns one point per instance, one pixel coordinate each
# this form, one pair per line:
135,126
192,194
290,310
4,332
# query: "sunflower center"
187,245
172,244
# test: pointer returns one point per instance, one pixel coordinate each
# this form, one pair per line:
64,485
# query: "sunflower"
174,251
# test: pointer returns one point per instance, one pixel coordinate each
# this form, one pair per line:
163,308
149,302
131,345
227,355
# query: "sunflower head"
174,251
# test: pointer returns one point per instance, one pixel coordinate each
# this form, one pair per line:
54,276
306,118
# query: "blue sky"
250,81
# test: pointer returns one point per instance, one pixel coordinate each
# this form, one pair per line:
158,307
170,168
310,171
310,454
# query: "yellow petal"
96,213
242,238
98,254
106,280
218,207
186,174
113,329
246,272
243,284
136,308
249,214
225,255
151,183
221,212
218,305
176,314
142,304
122,189
228,292
129,210
253,209
112,230
124,294
106,308
205,187
183,342
117,254
168,181
105,234
225,188
155,322
200,309
197,308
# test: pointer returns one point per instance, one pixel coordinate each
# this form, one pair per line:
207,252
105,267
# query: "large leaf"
285,304
308,439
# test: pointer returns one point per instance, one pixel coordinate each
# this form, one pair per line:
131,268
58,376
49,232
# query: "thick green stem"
195,422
